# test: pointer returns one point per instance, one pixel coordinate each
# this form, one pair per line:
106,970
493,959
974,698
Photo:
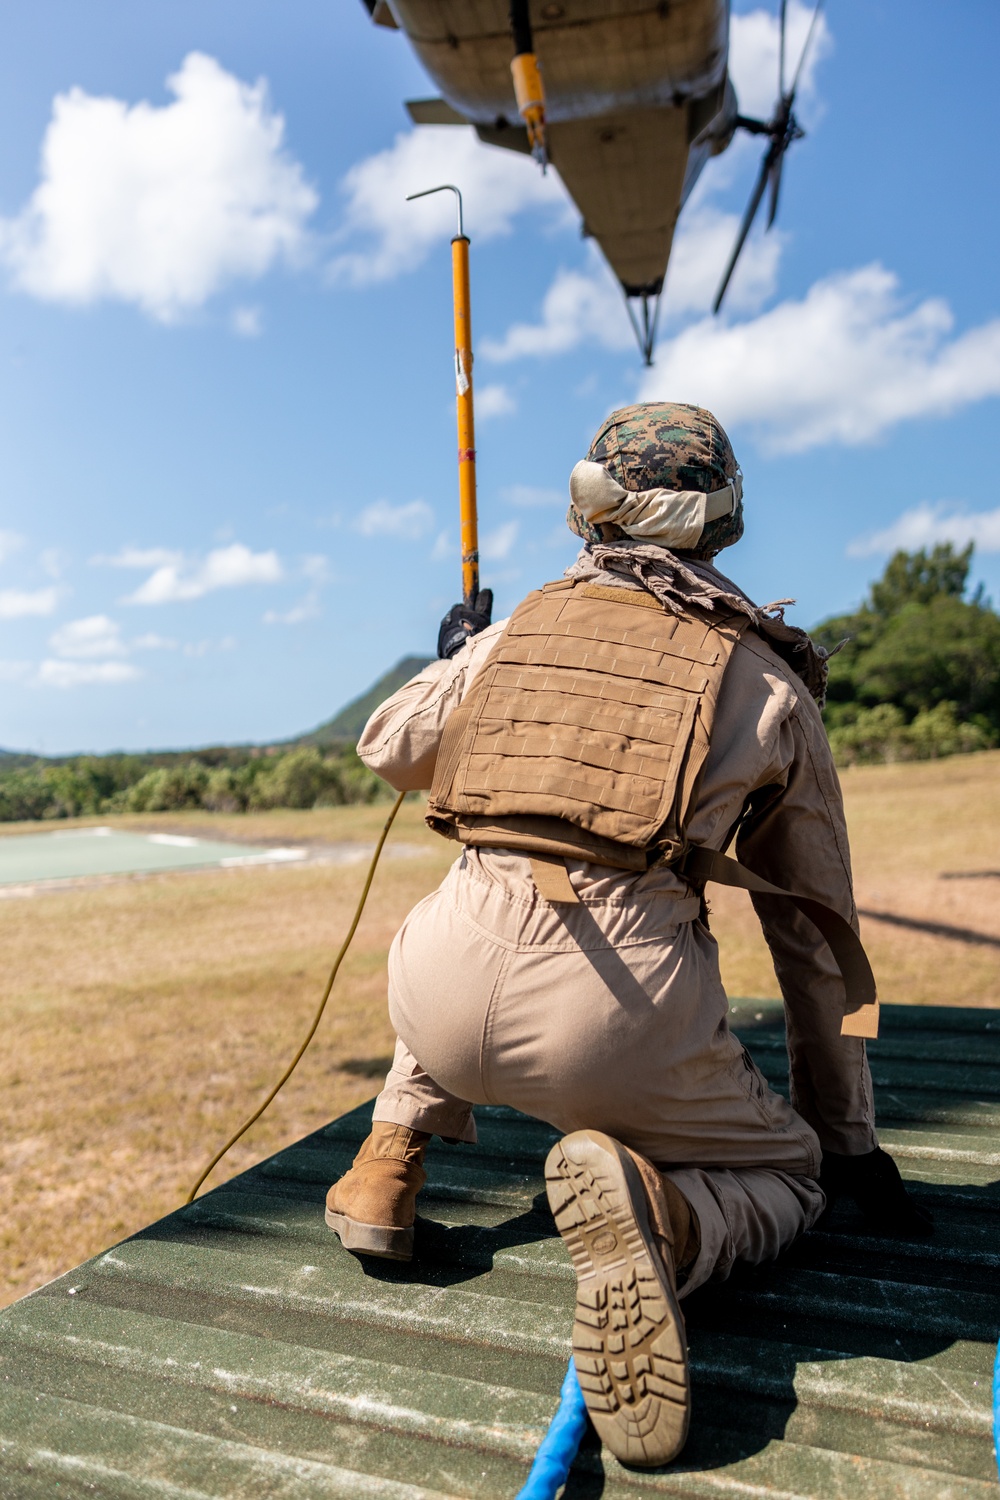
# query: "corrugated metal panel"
235,1350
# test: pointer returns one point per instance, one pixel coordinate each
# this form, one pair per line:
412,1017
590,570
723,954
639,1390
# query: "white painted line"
268,857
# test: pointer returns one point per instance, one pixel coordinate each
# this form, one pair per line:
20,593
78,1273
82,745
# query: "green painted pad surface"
79,852
235,1351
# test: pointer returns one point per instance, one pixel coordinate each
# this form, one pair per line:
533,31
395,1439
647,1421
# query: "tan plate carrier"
585,736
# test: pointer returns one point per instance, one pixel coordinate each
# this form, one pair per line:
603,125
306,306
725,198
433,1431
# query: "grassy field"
143,1018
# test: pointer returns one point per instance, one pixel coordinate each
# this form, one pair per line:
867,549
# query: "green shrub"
169,789
937,731
23,795
217,780
919,676
301,778
230,789
358,783
875,736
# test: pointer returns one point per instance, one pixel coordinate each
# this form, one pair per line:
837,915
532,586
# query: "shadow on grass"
934,929
365,1067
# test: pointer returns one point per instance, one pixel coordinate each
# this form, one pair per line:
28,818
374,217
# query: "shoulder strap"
861,1010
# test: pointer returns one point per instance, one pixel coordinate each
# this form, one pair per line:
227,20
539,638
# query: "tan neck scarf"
680,583
669,518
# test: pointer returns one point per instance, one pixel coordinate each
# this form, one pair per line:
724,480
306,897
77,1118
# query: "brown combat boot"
626,1235
373,1206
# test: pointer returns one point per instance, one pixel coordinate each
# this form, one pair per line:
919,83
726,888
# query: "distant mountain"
13,760
348,724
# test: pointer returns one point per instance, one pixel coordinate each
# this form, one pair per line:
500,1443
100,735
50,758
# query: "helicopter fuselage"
597,56
636,99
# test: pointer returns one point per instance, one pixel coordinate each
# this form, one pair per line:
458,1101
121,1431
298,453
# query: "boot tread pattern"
628,1342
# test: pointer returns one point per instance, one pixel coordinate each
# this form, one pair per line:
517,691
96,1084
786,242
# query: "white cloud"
705,237
579,306
532,496
444,547
408,522
926,524
316,565
153,642
246,321
495,546
753,57
586,306
202,648
494,401
497,185
224,568
845,364
306,609
16,604
160,206
10,542
96,635
498,545
139,557
67,674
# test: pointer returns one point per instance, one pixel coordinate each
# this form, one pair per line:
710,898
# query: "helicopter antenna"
645,332
782,129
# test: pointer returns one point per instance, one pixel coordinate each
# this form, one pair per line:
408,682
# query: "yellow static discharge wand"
461,293
470,588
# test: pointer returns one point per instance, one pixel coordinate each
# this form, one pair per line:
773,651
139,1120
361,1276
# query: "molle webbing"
586,732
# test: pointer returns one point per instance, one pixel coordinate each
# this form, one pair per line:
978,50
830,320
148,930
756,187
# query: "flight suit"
609,1013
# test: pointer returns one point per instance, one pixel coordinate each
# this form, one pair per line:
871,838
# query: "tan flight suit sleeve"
400,741
795,834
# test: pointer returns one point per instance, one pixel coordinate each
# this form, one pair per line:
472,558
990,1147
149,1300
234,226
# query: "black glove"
873,1181
462,622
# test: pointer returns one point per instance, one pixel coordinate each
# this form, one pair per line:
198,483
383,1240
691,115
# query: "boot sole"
629,1344
371,1239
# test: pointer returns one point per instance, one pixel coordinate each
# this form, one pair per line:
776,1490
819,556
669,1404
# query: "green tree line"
217,781
918,675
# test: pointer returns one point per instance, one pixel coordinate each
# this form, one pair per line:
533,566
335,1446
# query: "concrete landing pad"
80,852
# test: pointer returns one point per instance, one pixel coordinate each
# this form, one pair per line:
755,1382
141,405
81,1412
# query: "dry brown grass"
143,1018
909,825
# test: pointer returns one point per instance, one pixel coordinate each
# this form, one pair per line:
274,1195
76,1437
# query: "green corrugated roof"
234,1349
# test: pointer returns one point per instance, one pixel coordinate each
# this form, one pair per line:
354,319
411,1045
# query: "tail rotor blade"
783,129
774,182
805,50
748,218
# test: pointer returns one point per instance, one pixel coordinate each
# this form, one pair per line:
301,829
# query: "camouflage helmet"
665,445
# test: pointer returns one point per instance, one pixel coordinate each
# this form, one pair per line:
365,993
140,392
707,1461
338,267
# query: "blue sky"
226,392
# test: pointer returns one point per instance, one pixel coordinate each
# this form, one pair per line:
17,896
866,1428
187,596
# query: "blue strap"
558,1448
996,1409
